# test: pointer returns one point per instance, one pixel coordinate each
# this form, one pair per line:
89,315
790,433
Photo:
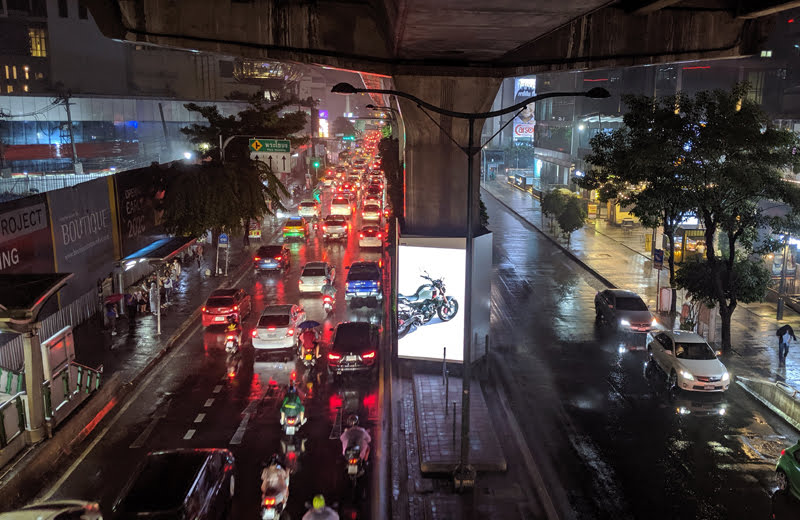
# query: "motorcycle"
273,502
430,300
231,343
355,466
407,319
327,304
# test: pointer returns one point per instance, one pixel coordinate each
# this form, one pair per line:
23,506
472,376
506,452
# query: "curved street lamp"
465,472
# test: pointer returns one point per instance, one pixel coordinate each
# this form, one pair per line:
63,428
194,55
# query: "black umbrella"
784,329
308,325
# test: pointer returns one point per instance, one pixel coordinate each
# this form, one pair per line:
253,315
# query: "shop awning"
161,250
22,297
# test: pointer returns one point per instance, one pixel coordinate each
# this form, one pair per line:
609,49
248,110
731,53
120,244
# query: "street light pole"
465,474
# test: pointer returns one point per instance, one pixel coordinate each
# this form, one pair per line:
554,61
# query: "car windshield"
694,351
274,320
340,202
313,271
264,252
294,222
630,304
308,204
219,301
363,273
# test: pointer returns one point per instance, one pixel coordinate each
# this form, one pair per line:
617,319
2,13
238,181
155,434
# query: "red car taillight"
254,333
256,258
290,332
269,501
353,461
236,307
361,235
380,235
202,309
334,356
278,257
291,420
327,298
368,355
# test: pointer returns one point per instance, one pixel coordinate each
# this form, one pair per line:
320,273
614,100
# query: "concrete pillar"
34,378
435,166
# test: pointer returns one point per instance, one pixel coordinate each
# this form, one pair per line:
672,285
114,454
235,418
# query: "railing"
12,419
12,354
11,382
70,386
789,390
43,183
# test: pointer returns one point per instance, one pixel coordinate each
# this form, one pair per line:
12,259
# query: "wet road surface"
200,397
602,426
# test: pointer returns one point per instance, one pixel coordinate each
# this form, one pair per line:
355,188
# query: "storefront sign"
25,242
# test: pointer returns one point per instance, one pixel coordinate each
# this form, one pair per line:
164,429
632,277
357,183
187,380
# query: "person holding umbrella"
785,335
309,341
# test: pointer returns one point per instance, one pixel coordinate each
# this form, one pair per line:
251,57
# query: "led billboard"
431,317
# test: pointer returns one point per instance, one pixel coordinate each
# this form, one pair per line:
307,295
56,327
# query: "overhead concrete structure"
451,53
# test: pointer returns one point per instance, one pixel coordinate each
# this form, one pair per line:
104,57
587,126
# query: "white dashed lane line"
189,435
209,402
199,418
217,389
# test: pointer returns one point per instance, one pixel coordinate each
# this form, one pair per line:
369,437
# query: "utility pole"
63,98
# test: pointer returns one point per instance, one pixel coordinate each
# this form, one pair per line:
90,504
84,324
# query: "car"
340,172
341,205
56,510
354,349
370,236
623,309
787,471
329,180
376,181
372,189
223,303
346,187
182,483
314,275
363,284
354,180
373,199
688,361
273,257
295,227
309,209
335,226
277,326
371,212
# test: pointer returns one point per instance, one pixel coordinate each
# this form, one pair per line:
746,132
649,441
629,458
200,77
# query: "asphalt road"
199,397
611,440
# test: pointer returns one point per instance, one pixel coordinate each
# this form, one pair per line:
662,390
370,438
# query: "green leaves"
747,280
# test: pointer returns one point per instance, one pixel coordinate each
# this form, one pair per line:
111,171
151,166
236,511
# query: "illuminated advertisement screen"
525,122
424,302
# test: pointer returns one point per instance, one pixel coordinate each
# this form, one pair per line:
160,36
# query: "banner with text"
139,194
525,123
83,234
25,241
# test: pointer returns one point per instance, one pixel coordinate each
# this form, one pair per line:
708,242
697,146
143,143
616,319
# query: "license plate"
272,336
219,318
709,387
308,357
290,430
350,358
352,469
269,514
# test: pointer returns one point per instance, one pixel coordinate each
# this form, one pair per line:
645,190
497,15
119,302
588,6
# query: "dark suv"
184,483
271,258
354,349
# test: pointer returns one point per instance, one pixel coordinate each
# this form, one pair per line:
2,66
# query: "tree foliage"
572,217
519,155
342,125
389,148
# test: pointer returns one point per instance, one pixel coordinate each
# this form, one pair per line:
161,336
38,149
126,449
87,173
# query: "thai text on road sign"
270,145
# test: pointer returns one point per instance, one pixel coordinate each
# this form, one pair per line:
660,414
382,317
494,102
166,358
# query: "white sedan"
315,275
688,361
277,327
370,236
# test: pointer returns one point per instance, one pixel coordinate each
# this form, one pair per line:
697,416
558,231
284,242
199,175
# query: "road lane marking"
239,435
142,438
189,435
209,402
199,417
132,399
217,389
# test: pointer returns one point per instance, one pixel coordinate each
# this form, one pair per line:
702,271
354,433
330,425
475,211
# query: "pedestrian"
176,269
167,289
141,300
111,316
130,306
199,257
154,297
785,336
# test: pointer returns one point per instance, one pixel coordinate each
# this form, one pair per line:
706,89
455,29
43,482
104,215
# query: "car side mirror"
330,329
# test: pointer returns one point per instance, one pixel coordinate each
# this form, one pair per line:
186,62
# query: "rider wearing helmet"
319,511
292,406
232,323
275,478
308,339
355,434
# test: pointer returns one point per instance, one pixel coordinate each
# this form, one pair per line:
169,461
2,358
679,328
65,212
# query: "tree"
643,165
553,203
342,125
572,217
519,155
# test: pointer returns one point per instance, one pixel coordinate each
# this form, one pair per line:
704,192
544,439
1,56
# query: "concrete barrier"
779,397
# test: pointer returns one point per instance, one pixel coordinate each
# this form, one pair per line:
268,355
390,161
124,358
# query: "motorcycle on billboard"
429,300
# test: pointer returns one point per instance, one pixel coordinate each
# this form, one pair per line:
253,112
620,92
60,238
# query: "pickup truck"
334,226
363,286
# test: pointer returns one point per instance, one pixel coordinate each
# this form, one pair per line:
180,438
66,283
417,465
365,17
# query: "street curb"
45,456
566,251
742,382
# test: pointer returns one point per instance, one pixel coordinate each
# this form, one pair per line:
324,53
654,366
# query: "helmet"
352,420
231,318
275,460
318,502
291,390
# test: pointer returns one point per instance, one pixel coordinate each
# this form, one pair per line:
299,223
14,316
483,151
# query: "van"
195,484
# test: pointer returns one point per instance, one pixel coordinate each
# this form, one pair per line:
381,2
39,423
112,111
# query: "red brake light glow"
290,332
783,452
236,307
203,309
333,356
353,461
368,355
361,235
269,501
256,258
270,328
278,257
254,332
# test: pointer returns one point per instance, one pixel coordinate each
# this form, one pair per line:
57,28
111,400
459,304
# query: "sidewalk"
125,357
618,259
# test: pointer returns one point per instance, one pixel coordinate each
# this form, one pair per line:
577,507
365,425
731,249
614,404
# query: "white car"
308,209
371,212
277,327
688,361
372,199
370,236
314,275
340,205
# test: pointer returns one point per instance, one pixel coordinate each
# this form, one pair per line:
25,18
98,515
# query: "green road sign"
270,145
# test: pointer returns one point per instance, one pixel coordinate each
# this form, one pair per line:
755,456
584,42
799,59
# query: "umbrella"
308,325
113,298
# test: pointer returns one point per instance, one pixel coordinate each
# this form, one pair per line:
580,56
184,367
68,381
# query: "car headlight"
654,323
686,375
726,376
625,323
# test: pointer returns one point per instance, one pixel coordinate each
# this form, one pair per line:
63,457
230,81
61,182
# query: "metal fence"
23,186
12,355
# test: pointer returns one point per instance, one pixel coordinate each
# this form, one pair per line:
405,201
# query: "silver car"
623,310
688,361
277,327
314,276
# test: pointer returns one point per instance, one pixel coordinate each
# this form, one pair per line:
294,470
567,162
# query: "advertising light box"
431,274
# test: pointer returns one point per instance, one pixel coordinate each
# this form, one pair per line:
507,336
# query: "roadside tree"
572,217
